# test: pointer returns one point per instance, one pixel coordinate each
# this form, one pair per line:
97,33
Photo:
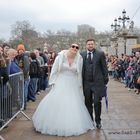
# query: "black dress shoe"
98,125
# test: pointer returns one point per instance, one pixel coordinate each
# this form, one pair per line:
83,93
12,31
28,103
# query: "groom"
95,78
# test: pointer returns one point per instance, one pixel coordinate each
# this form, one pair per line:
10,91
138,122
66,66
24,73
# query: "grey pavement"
122,122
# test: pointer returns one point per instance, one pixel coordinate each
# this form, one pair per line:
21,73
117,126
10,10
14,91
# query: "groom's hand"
106,81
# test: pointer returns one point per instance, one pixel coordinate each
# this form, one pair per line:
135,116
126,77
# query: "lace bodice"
67,68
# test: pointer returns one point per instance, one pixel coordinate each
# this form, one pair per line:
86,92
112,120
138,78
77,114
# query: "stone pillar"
129,41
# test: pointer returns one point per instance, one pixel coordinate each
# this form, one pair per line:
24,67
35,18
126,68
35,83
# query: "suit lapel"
84,55
94,61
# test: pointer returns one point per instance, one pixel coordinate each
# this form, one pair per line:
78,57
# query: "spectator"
13,66
34,72
41,75
51,60
4,97
24,63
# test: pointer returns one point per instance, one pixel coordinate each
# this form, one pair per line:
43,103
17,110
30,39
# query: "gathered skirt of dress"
62,111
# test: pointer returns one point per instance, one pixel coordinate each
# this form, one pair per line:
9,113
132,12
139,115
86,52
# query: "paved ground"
122,122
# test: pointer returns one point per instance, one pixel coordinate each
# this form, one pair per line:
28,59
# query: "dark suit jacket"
100,72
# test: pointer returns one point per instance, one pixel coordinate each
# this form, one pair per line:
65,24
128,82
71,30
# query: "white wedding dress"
62,111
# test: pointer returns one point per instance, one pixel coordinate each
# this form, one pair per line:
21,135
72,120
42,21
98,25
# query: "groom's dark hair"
91,39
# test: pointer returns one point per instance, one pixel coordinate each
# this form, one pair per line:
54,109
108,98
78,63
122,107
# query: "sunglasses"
73,46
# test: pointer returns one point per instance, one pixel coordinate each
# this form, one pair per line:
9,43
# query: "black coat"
4,74
100,72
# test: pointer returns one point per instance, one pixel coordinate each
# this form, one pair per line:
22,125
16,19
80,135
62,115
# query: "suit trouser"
90,99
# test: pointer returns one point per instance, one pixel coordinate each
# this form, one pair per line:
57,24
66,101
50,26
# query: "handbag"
138,80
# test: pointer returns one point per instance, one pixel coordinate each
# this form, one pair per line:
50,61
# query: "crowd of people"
35,65
125,69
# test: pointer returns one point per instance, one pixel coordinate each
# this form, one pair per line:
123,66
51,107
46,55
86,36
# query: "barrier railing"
11,99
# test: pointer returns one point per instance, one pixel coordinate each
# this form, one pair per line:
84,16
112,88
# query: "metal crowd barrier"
11,99
1,138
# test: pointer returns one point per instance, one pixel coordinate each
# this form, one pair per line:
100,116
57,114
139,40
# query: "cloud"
58,14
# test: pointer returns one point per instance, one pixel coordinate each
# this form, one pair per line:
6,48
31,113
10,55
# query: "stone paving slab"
122,122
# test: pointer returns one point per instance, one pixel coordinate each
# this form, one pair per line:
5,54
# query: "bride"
62,111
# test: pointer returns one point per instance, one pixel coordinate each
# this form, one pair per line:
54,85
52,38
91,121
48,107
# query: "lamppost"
124,19
115,28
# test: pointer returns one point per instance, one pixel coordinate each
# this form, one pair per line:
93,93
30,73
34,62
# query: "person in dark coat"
95,78
4,113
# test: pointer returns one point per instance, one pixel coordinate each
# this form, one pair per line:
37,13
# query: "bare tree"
24,32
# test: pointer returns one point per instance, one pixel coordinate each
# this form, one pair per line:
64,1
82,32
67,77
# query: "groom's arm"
104,68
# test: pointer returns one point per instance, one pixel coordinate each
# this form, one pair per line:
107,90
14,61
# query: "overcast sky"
65,14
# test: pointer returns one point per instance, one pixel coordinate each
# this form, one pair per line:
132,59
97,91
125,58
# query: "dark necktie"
89,58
